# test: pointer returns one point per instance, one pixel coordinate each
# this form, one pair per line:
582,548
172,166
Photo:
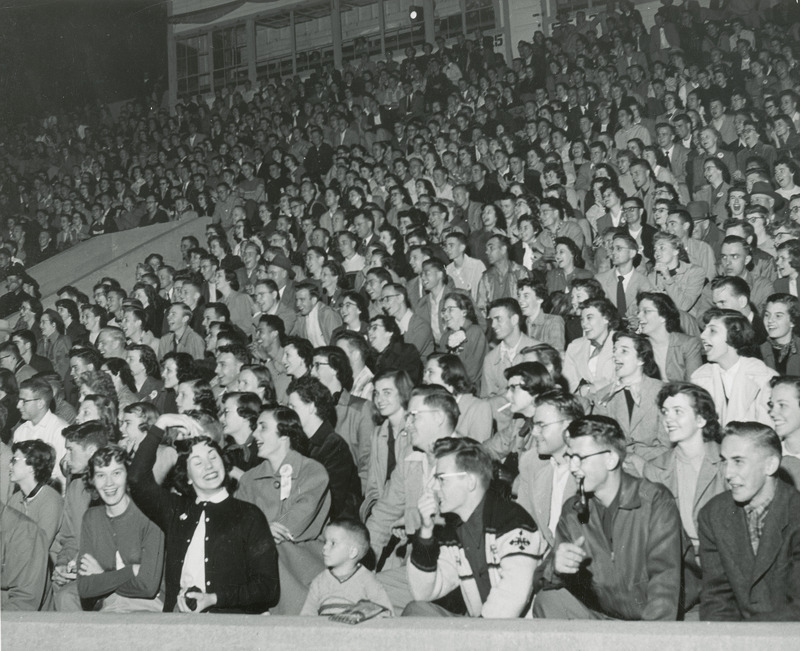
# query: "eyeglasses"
16,460
412,415
537,424
514,387
344,305
441,476
29,399
569,456
316,365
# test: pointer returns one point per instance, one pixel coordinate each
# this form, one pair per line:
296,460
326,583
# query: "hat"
699,210
283,262
765,188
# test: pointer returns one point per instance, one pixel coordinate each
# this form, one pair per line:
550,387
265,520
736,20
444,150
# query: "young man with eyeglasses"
39,422
354,415
545,481
395,302
485,546
432,414
618,544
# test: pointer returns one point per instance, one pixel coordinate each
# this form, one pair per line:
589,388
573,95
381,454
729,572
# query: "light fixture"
415,14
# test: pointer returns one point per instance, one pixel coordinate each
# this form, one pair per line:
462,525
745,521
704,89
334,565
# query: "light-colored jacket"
750,393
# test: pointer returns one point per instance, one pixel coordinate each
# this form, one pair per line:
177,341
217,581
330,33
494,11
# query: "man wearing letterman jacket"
486,543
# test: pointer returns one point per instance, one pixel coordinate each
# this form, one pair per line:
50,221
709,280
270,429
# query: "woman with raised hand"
134,423
462,335
629,399
673,274
220,554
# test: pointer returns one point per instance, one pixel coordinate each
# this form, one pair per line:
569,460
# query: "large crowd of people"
465,336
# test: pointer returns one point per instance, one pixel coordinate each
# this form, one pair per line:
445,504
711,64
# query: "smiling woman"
220,554
122,552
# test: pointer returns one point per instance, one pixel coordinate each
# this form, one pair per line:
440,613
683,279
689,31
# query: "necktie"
622,305
174,344
391,459
629,401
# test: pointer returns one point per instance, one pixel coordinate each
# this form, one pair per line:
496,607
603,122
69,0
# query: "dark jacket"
638,577
739,585
792,361
330,449
399,356
241,557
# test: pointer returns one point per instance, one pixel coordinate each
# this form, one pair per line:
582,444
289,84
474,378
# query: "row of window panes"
230,50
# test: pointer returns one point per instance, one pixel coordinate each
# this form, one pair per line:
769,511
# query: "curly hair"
464,302
148,358
454,374
702,403
40,456
103,458
644,351
180,478
119,368
98,383
184,365
248,405
312,392
264,381
107,409
289,426
338,361
203,396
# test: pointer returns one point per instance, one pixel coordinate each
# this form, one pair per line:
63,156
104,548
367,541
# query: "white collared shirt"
313,329
561,475
403,322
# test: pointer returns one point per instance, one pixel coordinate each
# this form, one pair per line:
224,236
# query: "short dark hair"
304,348
702,403
454,373
40,456
604,430
102,458
312,392
665,307
509,304
567,404
470,457
535,377
289,426
248,405
762,436
607,309
181,475
740,334
357,533
439,398
92,432
338,361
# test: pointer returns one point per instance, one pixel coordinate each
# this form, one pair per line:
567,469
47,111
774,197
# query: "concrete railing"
157,632
115,255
